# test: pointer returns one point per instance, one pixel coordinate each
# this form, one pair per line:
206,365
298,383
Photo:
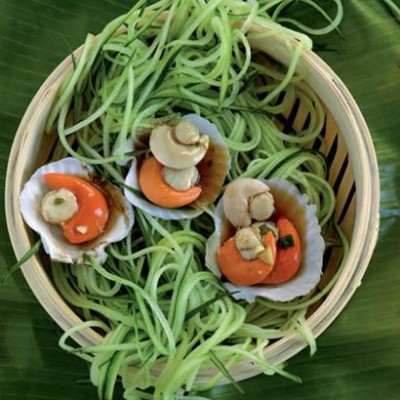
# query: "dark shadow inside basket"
340,176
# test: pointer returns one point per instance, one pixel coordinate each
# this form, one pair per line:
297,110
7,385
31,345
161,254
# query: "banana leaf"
358,357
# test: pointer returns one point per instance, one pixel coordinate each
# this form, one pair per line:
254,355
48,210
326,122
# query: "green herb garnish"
58,201
263,229
286,241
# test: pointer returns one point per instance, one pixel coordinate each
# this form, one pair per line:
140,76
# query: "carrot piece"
92,215
240,271
153,186
288,260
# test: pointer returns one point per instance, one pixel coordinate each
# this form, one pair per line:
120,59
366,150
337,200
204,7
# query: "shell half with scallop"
294,206
212,169
120,220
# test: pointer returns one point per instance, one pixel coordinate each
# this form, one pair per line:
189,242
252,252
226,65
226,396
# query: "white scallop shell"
294,205
120,221
127,148
138,200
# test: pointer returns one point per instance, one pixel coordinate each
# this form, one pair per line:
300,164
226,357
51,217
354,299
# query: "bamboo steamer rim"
348,117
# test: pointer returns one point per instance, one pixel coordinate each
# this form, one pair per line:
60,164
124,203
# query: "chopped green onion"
285,241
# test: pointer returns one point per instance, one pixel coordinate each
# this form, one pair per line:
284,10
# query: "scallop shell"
127,148
120,222
213,169
294,205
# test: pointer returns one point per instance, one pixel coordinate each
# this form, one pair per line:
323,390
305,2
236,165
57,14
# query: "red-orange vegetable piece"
92,212
288,260
154,187
240,271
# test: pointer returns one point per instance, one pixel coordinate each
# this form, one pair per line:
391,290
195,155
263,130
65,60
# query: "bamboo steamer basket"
353,175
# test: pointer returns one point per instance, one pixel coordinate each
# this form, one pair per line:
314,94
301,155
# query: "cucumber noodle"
165,317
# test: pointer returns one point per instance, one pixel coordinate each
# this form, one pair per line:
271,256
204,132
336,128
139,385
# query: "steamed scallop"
281,198
58,214
191,161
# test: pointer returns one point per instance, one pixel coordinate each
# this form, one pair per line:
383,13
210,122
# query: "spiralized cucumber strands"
279,11
160,304
164,316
